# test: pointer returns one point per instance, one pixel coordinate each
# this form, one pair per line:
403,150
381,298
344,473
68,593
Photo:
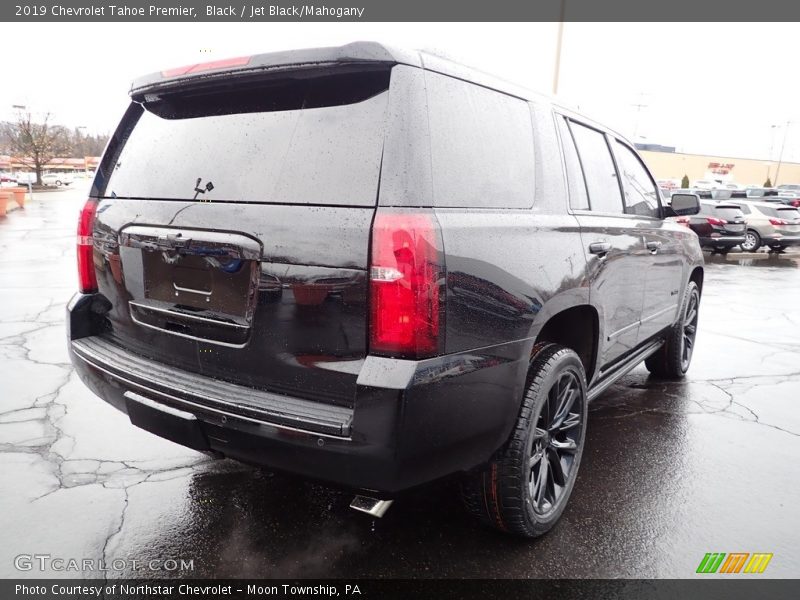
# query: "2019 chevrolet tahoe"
379,269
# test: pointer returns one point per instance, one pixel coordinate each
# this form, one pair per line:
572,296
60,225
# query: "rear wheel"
675,356
752,241
525,487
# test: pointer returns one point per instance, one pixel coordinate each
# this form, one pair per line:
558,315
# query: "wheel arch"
569,327
697,275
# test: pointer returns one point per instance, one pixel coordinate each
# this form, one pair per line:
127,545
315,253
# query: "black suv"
720,226
378,269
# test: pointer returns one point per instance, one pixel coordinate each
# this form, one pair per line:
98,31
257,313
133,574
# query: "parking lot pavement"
672,470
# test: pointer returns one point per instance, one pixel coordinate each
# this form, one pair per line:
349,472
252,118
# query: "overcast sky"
708,88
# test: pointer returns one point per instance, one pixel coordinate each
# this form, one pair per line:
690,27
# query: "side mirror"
685,204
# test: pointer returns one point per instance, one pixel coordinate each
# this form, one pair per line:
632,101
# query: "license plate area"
191,283
165,421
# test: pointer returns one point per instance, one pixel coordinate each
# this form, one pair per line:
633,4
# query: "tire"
58,183
520,491
673,359
752,241
722,250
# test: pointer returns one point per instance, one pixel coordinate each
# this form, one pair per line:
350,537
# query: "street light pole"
557,67
780,156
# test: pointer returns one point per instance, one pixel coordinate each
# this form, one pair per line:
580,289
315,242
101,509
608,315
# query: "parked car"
7,180
789,187
57,179
771,225
756,192
720,226
705,184
26,178
377,268
789,198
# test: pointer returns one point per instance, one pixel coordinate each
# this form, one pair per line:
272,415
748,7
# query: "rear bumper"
728,241
783,240
411,422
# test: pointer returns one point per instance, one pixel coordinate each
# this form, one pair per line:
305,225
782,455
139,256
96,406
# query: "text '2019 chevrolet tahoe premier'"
377,269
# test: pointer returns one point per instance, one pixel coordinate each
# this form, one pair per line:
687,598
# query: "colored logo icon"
734,562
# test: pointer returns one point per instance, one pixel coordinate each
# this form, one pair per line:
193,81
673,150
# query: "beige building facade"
745,171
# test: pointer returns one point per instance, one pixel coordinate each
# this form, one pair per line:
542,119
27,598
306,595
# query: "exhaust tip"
372,506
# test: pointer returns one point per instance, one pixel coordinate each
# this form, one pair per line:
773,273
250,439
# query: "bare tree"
36,144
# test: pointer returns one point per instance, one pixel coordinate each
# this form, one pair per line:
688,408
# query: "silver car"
769,224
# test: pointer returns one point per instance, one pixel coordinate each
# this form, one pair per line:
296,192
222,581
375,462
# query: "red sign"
720,168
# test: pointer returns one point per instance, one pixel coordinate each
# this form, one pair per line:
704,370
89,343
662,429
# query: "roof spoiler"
363,53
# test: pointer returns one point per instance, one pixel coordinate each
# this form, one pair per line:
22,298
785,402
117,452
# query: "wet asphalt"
672,470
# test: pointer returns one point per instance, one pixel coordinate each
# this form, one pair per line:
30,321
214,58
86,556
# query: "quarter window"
578,198
598,169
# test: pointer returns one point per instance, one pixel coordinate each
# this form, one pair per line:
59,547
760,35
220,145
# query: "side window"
578,198
482,151
641,194
598,169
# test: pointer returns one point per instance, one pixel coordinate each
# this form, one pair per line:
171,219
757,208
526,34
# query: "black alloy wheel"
554,443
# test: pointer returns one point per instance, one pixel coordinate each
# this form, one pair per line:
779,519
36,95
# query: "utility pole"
638,108
780,156
771,149
557,66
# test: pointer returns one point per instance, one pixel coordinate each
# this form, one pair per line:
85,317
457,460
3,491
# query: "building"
744,171
87,164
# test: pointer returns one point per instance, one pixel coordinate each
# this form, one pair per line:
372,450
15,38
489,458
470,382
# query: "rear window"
729,213
787,213
301,141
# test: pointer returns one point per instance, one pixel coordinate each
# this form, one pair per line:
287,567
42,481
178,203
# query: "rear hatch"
234,228
731,220
787,220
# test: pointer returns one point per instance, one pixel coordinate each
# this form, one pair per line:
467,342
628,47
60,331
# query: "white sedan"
57,179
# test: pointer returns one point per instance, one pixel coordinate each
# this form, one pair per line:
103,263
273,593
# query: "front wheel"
673,359
752,241
525,487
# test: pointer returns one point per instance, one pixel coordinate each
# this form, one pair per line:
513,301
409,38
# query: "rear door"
234,229
614,246
664,261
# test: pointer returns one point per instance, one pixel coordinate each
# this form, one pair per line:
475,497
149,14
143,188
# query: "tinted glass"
598,169
313,141
578,198
788,213
481,146
706,209
728,213
744,208
641,194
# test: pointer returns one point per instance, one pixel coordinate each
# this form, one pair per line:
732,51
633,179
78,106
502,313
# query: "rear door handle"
600,248
654,247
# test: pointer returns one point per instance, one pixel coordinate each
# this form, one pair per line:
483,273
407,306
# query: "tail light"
87,282
778,222
406,274
683,221
716,221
